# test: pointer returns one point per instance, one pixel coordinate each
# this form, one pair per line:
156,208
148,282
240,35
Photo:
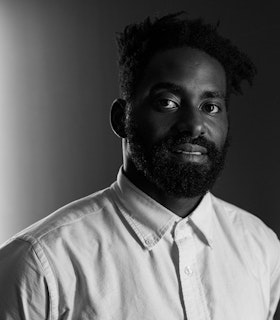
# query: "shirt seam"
37,248
66,224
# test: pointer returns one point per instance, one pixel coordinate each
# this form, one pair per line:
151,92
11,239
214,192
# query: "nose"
190,120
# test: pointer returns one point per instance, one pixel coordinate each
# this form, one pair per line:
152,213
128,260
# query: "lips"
190,149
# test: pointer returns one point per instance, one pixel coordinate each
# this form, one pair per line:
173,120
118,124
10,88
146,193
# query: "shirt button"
188,271
149,242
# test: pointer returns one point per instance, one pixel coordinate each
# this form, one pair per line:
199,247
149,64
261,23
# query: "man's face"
177,124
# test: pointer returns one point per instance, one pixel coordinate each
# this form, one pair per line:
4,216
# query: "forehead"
187,67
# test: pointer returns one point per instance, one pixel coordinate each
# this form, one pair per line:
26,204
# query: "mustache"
172,141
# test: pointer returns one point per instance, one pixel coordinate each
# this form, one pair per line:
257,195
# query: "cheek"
152,127
221,133
218,131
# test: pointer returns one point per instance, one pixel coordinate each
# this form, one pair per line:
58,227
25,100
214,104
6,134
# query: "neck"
180,206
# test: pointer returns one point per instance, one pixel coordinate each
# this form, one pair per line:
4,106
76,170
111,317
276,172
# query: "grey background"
57,81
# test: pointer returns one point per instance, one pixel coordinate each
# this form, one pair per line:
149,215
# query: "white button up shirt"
118,254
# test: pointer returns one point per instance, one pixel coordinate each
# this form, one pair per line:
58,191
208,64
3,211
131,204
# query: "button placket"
190,281
188,271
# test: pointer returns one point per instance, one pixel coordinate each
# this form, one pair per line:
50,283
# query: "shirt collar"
150,220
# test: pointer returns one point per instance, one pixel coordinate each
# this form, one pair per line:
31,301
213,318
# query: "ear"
117,117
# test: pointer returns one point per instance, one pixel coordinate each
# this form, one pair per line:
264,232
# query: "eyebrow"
166,85
213,94
180,90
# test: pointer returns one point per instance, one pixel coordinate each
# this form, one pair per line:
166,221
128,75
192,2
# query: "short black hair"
140,41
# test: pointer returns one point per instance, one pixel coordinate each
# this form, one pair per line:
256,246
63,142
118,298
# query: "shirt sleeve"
274,312
275,293
24,290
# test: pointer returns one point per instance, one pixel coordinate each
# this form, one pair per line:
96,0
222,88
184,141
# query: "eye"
211,108
166,104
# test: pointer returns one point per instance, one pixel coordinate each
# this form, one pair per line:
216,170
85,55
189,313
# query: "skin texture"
183,90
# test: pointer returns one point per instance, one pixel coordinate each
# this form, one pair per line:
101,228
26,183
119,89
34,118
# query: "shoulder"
49,252
242,219
91,210
256,237
69,226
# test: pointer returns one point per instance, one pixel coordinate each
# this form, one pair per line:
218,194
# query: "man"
156,244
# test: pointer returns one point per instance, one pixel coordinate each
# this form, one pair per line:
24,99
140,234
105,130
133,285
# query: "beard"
176,178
